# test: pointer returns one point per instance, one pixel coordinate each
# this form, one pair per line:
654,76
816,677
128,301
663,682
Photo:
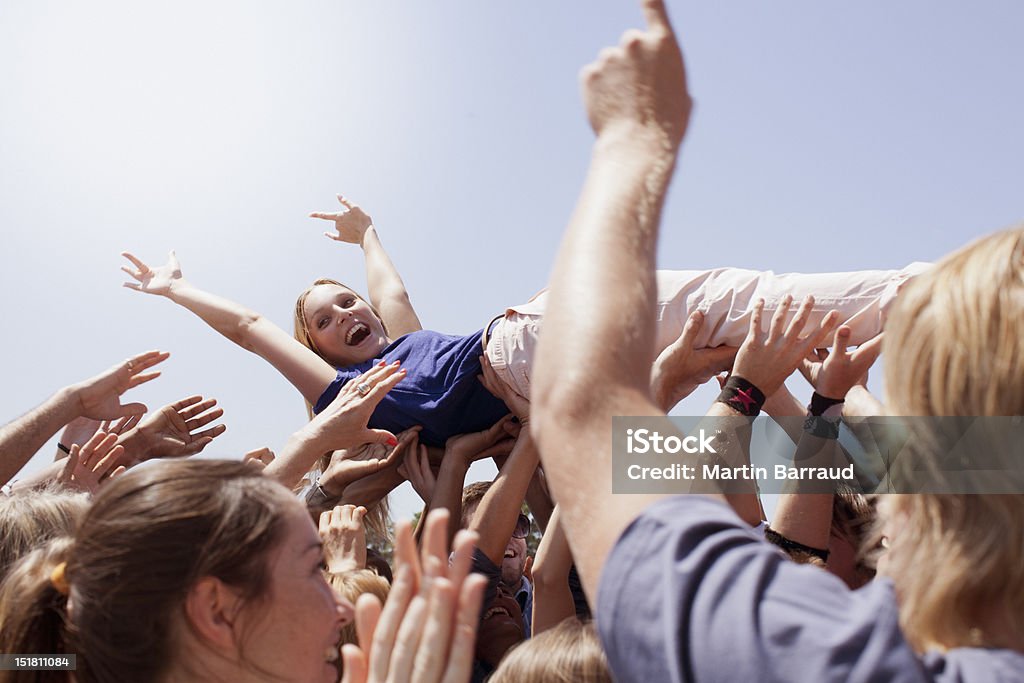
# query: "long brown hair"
147,538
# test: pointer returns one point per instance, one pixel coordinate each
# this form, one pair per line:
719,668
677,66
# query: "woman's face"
294,635
343,326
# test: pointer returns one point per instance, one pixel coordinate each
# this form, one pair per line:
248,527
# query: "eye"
322,565
322,322
349,302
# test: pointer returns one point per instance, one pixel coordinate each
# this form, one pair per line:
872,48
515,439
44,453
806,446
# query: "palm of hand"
159,280
170,433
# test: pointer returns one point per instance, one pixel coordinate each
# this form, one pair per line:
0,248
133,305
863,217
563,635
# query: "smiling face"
294,634
342,326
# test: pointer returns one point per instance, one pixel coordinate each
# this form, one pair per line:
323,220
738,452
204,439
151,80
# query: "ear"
212,610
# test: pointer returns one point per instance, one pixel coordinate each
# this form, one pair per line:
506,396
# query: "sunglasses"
522,527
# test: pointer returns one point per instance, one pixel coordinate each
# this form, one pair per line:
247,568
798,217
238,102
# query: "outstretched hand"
766,359
344,538
350,224
681,368
352,464
171,431
158,280
87,466
99,398
641,84
343,423
834,374
427,630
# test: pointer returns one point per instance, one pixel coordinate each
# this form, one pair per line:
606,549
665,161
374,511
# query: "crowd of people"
149,565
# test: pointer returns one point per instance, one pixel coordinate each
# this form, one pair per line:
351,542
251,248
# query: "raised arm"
307,372
385,287
98,398
587,369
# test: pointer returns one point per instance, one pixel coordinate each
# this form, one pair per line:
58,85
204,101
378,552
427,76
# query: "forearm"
552,597
21,438
386,289
804,512
232,320
49,473
603,285
495,517
451,479
382,278
371,489
296,458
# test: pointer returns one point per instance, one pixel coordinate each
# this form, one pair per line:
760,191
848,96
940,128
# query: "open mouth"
357,334
496,610
509,553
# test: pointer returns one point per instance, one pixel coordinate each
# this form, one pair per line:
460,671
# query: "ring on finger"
363,388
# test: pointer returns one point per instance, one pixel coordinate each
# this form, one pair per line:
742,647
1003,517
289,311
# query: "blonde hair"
954,347
353,584
29,519
568,653
378,514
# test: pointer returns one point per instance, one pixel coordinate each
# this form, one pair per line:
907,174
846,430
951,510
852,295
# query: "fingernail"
397,362
382,364
392,441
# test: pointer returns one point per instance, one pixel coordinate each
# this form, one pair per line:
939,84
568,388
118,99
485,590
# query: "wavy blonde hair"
954,346
568,653
378,515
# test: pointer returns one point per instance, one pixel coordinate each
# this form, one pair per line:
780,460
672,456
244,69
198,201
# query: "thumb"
355,664
132,409
197,445
381,436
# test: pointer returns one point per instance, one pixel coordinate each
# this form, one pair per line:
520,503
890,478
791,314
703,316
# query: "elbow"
246,330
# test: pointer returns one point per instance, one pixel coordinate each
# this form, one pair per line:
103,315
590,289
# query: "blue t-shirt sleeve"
689,593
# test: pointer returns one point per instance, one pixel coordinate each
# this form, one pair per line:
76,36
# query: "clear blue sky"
826,137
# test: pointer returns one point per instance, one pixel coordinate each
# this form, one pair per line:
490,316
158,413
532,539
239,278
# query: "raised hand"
427,630
766,359
640,86
99,398
171,431
88,465
681,368
153,280
416,469
344,538
259,457
349,465
350,224
834,374
343,423
496,440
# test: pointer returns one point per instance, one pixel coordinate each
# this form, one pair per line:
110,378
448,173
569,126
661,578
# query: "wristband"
819,404
318,499
742,396
822,427
774,537
63,448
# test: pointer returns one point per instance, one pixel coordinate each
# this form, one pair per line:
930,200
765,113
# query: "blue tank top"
441,391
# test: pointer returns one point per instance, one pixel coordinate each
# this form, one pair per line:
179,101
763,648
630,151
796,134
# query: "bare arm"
97,398
496,516
385,287
586,369
306,371
552,597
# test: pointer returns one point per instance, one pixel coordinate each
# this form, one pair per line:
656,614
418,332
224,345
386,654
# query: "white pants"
726,296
